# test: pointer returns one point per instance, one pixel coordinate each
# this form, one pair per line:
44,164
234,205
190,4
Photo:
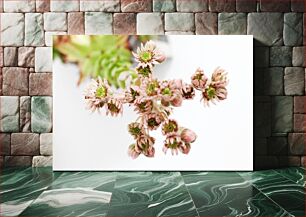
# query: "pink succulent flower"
150,152
188,91
150,87
132,152
114,107
199,79
143,142
219,77
177,101
148,55
188,136
170,126
173,142
132,94
136,129
153,120
143,105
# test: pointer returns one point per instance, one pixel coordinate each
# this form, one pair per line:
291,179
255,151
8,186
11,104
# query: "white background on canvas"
86,141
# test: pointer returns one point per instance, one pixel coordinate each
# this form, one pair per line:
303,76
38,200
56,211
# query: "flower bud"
188,136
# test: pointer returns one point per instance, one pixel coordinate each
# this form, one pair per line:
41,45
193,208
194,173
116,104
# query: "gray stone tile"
293,29
282,117
294,81
280,56
232,24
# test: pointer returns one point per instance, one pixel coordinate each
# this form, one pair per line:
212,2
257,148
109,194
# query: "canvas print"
152,102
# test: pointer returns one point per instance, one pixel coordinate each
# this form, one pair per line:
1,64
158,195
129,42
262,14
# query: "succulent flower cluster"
154,100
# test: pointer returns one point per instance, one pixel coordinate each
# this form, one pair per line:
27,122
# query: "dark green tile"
70,202
286,193
296,174
21,186
227,194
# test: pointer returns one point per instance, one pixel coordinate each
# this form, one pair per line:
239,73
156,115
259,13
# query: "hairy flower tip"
213,94
150,87
143,143
185,148
132,94
114,107
143,105
144,71
188,91
153,120
170,126
96,94
173,142
188,136
219,77
132,152
199,79
148,55
136,129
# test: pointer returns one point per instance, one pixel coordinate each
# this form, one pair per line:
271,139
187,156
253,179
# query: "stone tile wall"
26,65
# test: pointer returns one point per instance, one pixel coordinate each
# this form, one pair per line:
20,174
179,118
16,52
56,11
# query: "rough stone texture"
10,56
280,56
15,81
289,161
101,5
262,56
9,114
98,23
5,144
17,161
12,24
26,56
262,120
42,5
297,6
40,84
293,29
76,23
303,161
179,22
274,81
296,143
282,117
191,5
25,114
46,144
272,6
156,26
1,81
267,28
19,6
49,37
124,23
294,81
42,161
299,123
298,56
65,6
43,59
179,33
34,30
232,23
41,114
299,104
206,23
163,5
25,144
1,56
278,146
222,5
246,5
136,6
55,21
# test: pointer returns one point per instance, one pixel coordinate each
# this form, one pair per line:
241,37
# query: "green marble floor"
41,192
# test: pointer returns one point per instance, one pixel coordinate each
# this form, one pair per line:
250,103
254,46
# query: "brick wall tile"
299,104
15,81
124,23
42,5
296,143
294,81
206,23
64,6
5,144
156,26
76,23
271,6
26,56
34,29
40,84
191,5
179,22
98,23
17,161
25,144
9,115
101,5
246,5
232,24
10,56
136,5
25,113
41,114
164,5
222,5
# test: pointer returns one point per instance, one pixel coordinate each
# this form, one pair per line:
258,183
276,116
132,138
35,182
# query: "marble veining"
41,192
